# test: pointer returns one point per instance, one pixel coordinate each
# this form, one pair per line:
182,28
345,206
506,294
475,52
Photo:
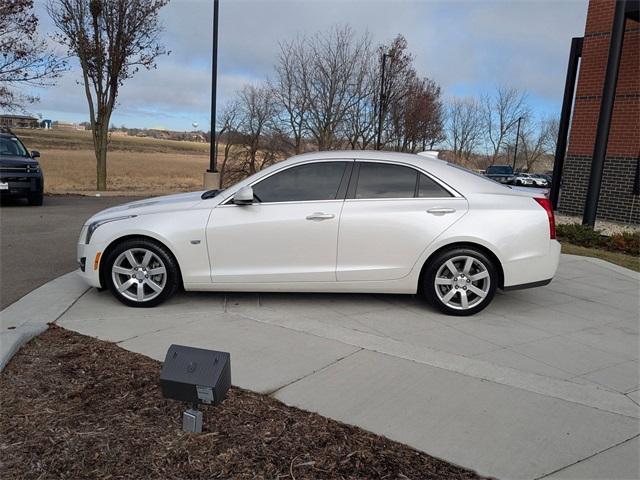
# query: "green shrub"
577,234
580,235
627,242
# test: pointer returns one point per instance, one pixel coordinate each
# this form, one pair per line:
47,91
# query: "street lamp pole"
213,154
515,152
380,103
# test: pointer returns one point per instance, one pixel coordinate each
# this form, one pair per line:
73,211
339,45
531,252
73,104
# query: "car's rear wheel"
141,273
460,281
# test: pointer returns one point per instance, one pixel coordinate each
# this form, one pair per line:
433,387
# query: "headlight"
93,226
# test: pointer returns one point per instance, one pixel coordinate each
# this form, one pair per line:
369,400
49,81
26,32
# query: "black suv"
500,173
20,174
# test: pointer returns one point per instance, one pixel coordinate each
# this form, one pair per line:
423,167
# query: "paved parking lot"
38,244
544,382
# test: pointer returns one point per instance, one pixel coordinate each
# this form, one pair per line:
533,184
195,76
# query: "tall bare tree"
464,129
502,109
289,91
337,62
228,126
25,59
112,40
536,142
399,80
257,109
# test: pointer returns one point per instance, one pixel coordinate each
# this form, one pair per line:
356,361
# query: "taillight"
546,204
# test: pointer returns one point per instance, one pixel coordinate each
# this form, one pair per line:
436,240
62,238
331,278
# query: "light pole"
381,101
211,176
515,152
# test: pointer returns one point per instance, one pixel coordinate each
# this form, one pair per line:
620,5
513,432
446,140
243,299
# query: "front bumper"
22,184
89,259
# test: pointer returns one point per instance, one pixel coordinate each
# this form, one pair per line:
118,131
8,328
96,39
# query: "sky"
467,46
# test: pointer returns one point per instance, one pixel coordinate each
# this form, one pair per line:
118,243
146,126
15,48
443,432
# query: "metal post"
515,152
606,111
213,153
565,117
380,104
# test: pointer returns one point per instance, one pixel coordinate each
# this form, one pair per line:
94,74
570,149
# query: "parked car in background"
351,221
523,180
541,179
20,173
500,173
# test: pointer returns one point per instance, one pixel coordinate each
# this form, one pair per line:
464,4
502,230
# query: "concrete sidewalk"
544,382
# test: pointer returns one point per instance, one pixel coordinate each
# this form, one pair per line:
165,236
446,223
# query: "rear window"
499,170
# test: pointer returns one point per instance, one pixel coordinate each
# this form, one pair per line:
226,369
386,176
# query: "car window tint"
11,146
381,180
429,188
315,181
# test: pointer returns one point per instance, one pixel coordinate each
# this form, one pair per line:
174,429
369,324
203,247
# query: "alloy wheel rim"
139,274
462,282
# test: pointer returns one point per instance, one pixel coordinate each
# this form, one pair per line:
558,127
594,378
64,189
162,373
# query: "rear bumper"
532,271
541,283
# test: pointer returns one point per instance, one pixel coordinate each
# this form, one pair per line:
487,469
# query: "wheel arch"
465,244
117,241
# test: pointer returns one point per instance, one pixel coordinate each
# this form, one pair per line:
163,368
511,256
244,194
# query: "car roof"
373,155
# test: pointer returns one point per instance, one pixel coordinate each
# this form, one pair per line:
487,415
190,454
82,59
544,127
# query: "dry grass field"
143,166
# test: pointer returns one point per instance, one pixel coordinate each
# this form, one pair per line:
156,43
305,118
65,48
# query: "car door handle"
319,216
440,210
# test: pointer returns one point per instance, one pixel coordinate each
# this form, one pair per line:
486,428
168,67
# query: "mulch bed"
75,407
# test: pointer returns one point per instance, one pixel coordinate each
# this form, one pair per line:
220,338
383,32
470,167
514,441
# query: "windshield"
12,146
499,169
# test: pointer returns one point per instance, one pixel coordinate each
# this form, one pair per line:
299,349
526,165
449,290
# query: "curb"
29,316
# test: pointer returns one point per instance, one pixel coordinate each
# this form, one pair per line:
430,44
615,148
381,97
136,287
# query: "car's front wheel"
460,281
141,273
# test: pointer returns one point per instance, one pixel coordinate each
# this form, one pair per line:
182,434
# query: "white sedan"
346,221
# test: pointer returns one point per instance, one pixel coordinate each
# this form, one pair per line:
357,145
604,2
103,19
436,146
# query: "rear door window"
383,180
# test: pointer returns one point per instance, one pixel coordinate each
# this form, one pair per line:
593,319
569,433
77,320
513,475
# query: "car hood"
16,161
177,202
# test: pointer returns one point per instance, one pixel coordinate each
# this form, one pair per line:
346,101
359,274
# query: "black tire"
171,283
436,293
37,199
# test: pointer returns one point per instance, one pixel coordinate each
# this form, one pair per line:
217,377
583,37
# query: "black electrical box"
195,375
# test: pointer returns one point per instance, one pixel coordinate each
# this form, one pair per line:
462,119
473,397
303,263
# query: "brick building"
618,198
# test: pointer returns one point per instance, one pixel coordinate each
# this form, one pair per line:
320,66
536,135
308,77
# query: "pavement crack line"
587,458
55,321
329,365
151,332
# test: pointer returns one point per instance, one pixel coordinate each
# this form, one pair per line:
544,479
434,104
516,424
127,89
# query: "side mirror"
35,154
244,196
